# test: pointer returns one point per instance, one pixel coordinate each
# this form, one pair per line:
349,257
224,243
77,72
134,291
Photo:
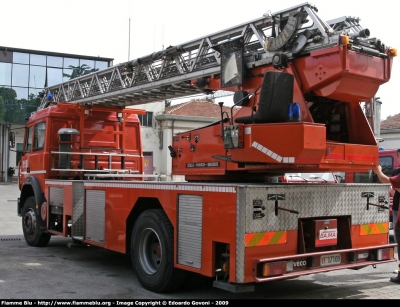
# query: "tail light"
385,254
274,268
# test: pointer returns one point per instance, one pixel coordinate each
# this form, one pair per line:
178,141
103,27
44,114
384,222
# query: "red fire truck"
298,81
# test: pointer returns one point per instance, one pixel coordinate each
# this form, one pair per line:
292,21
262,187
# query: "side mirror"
11,139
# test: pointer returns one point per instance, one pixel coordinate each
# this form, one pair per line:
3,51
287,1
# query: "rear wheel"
152,252
30,220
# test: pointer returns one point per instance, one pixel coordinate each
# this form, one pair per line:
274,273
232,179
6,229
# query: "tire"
30,218
152,252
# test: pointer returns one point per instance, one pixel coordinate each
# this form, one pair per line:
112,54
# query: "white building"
390,132
160,124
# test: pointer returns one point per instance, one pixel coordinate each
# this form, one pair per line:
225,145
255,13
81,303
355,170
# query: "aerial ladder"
169,73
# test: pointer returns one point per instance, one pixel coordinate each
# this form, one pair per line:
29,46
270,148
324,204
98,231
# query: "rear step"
231,287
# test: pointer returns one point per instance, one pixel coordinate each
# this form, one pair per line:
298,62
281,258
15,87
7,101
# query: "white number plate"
327,234
330,259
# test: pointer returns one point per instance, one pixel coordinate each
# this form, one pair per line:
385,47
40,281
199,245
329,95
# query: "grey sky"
100,28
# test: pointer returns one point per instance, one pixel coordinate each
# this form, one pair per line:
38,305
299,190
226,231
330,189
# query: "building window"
89,63
5,74
146,120
20,75
38,59
55,61
54,76
70,62
37,77
22,58
22,93
101,65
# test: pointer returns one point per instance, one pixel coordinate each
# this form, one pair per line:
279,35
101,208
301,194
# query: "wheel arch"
30,188
141,205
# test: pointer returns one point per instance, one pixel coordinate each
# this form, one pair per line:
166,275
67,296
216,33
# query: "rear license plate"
330,259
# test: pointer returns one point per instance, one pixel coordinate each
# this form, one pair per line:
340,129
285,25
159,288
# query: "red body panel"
334,73
342,75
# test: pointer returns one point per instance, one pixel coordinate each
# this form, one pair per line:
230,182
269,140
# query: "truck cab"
68,141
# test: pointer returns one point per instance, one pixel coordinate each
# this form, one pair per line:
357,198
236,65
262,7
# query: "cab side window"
28,139
387,165
39,137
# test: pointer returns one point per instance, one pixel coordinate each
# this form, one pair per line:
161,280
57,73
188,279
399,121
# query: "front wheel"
152,250
30,225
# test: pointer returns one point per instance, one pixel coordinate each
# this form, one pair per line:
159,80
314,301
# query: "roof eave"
186,118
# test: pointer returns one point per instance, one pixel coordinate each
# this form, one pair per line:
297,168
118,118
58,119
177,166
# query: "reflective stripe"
271,154
165,186
373,229
34,172
265,238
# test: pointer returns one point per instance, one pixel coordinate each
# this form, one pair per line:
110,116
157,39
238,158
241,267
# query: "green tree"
26,107
10,103
13,110
78,71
